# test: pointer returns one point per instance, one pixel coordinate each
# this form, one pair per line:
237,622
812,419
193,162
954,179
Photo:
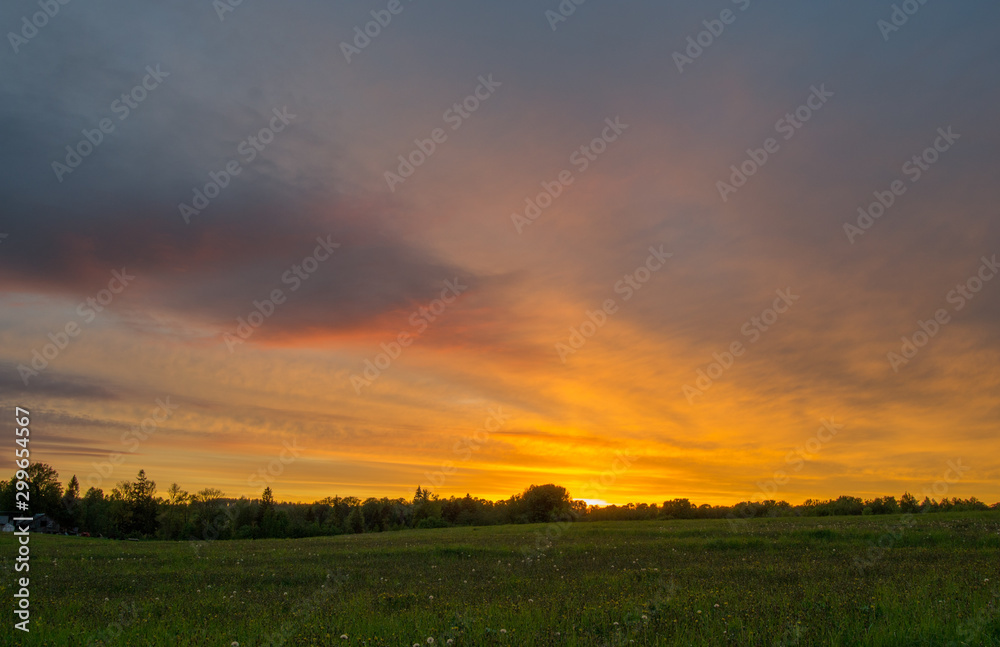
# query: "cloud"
55,385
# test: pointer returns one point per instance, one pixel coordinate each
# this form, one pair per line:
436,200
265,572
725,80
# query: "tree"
265,511
267,498
44,491
177,496
95,513
175,514
356,521
70,514
209,515
545,503
134,507
678,509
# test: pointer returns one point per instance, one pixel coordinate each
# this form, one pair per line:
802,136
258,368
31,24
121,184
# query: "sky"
725,251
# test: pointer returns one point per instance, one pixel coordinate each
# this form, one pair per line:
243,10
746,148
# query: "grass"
771,582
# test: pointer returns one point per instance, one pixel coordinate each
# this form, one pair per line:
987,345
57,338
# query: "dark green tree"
70,514
134,508
356,521
543,503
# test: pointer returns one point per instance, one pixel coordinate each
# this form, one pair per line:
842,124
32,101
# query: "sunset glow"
477,268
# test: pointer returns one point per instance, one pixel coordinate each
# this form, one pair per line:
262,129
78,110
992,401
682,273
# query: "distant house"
44,523
39,522
7,521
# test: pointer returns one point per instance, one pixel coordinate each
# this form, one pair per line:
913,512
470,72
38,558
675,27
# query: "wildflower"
716,605
343,636
430,640
503,631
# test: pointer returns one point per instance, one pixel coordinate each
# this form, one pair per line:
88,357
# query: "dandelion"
449,641
431,597
234,644
716,605
343,636
503,631
430,640
530,600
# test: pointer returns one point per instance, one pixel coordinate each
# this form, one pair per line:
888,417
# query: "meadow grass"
809,581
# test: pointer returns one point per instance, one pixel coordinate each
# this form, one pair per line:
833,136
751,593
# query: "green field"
770,582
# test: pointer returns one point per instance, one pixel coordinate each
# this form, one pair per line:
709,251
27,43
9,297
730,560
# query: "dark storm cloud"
119,207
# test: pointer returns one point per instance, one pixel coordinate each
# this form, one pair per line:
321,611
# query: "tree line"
134,510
